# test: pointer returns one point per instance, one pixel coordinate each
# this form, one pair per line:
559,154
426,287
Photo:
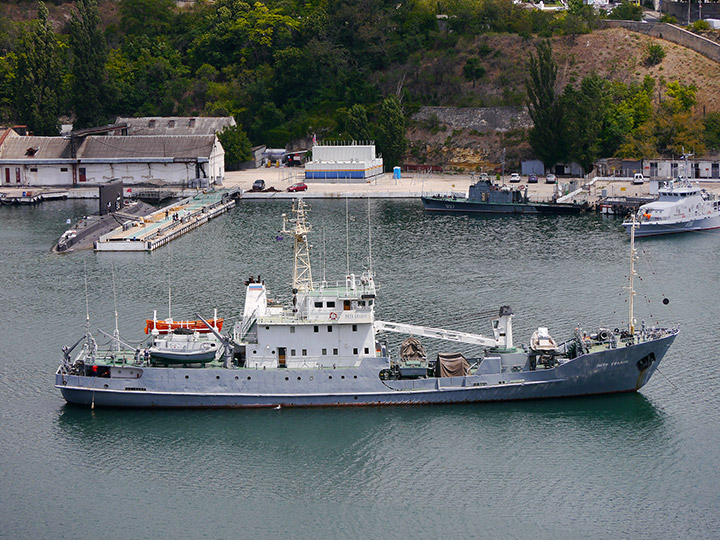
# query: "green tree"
146,17
546,137
391,132
473,69
236,145
626,11
584,114
654,54
39,77
88,57
358,127
711,123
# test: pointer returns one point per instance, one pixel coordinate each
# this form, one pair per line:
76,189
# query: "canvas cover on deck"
452,364
412,349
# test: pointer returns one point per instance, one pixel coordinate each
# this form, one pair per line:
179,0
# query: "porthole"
105,385
217,377
354,376
342,376
311,377
329,376
355,397
236,377
267,328
287,378
254,352
272,352
299,378
187,376
249,378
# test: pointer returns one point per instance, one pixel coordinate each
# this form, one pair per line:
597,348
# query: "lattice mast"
299,227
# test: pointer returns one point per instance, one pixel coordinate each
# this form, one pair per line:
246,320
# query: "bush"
670,19
654,54
700,26
626,12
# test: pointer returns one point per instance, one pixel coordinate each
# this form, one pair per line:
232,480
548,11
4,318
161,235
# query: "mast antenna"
347,238
631,289
370,259
302,272
116,334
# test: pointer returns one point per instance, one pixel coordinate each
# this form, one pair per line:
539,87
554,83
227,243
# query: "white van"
638,179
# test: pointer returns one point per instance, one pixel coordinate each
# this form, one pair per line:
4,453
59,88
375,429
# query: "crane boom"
438,333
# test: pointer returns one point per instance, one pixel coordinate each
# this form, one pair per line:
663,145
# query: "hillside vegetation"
289,69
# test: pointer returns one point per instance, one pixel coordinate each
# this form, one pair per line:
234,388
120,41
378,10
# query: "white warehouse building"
343,162
176,160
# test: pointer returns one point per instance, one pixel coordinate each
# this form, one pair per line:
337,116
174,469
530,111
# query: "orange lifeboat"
167,326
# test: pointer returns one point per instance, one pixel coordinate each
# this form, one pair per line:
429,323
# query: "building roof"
35,147
176,125
169,146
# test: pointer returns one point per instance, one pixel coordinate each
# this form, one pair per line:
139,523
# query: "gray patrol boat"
321,348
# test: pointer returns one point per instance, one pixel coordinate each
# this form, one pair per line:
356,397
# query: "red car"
300,186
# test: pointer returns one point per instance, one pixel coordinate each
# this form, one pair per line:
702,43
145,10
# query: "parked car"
551,179
300,186
532,179
638,179
515,177
258,185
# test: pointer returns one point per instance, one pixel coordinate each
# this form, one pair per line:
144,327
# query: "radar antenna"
299,228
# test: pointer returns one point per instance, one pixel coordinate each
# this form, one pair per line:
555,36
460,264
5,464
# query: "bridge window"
335,352
324,352
355,351
292,352
329,328
354,327
304,352
318,304
367,350
316,329
331,304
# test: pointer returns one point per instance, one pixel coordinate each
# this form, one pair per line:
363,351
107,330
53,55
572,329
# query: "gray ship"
323,348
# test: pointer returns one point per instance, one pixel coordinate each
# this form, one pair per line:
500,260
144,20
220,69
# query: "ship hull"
623,369
671,227
449,204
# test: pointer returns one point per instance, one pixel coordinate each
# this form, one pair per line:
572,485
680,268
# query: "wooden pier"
157,229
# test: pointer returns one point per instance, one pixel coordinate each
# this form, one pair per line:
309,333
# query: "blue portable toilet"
396,173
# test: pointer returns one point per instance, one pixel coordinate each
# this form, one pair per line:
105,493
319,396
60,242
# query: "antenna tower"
299,228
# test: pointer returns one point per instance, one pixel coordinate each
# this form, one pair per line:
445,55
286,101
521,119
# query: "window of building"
191,123
335,352
63,169
33,169
171,123
151,124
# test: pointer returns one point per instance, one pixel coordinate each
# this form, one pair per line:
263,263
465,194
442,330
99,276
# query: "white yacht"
680,207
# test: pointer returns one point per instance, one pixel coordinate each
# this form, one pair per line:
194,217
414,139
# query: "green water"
633,466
